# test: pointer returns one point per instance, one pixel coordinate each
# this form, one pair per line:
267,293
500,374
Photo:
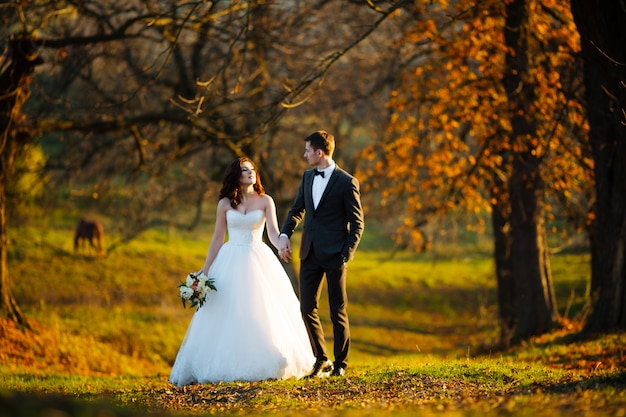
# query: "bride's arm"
219,234
271,220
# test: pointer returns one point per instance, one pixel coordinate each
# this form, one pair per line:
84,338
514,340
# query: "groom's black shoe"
338,371
321,369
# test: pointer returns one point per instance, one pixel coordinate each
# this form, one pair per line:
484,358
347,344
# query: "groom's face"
312,156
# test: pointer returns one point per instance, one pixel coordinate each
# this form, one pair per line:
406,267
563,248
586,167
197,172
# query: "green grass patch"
105,334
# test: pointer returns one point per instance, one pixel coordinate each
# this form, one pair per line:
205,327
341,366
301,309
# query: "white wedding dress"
251,328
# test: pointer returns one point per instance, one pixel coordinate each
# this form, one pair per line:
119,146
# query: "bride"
251,328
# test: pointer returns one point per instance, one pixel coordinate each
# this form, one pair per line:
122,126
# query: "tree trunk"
502,257
8,306
534,304
602,28
13,94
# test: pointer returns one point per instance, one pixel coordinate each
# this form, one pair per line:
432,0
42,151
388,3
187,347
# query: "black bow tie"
317,172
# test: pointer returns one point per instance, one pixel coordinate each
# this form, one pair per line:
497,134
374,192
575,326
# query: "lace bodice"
245,229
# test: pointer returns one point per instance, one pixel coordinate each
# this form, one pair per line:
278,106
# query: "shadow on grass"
452,301
589,353
616,380
20,404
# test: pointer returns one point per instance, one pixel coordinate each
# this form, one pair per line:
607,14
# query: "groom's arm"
296,214
354,217
294,217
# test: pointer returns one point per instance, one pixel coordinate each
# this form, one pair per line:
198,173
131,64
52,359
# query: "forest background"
498,119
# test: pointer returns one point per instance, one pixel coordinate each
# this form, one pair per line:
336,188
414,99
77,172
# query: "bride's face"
248,174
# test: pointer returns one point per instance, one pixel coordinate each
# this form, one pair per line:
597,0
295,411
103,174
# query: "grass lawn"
105,333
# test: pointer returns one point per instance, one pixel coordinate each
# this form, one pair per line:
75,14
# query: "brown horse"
91,231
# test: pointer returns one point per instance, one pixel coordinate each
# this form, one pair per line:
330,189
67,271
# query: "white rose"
189,281
186,293
205,290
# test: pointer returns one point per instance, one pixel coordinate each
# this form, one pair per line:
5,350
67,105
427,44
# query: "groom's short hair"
322,140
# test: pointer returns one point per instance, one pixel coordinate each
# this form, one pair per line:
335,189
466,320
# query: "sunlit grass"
423,331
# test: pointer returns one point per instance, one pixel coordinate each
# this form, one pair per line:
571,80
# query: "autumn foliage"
448,146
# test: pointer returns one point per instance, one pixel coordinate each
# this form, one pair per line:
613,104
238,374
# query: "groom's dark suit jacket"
336,226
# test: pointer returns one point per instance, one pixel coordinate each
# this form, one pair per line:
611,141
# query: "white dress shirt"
319,183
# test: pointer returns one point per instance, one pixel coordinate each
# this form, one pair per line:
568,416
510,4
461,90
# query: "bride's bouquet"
195,289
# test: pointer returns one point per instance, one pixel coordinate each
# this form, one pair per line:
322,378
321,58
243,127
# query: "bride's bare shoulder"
223,204
267,199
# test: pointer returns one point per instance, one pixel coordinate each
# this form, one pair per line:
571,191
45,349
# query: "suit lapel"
308,191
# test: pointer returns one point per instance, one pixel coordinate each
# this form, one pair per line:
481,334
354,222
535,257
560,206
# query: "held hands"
284,248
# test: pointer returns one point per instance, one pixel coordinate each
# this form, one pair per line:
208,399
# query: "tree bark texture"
534,303
13,93
502,257
602,28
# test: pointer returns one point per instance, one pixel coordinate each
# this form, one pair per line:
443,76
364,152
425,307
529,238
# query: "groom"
329,201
